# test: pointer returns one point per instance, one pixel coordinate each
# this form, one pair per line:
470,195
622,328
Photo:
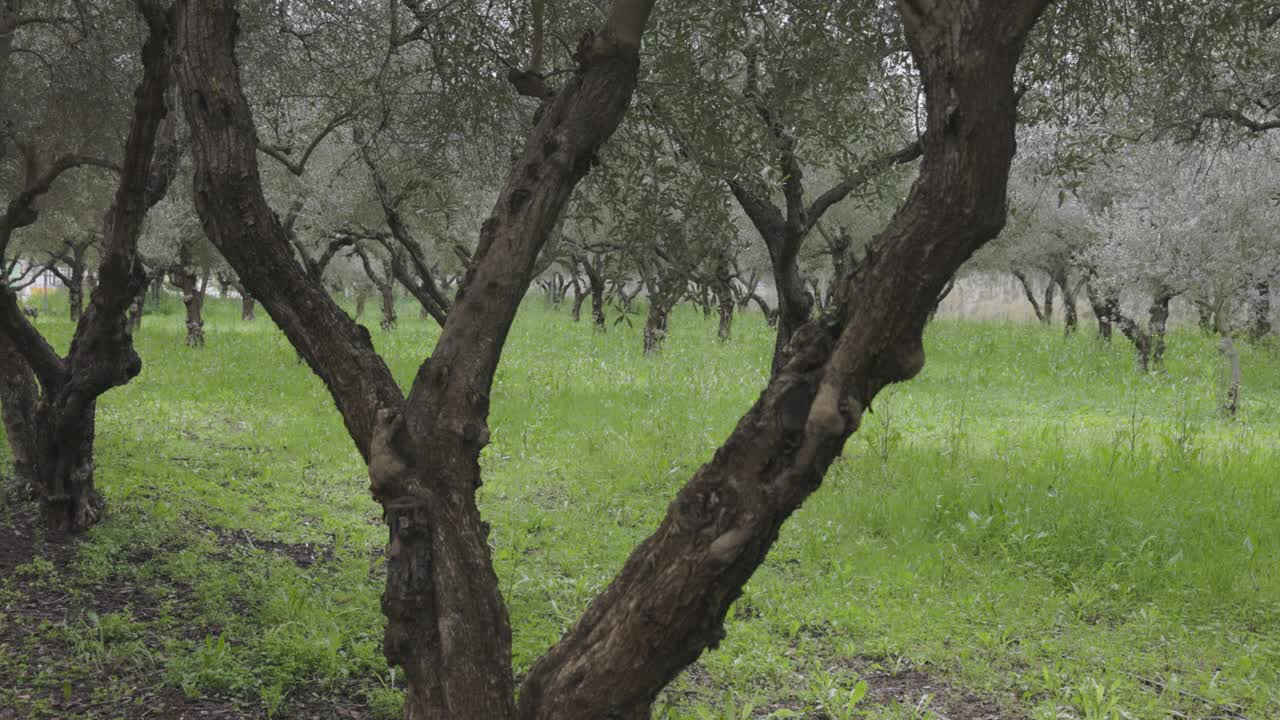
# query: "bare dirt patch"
43,676
302,554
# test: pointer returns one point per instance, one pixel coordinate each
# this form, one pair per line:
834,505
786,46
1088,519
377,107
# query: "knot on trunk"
388,456
900,362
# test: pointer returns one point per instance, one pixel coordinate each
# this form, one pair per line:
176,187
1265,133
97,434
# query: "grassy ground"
1028,529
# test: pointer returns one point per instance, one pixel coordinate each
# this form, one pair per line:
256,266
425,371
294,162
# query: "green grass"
1029,518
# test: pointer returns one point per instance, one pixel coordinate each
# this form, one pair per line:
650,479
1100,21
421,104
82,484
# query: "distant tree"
777,93
1185,222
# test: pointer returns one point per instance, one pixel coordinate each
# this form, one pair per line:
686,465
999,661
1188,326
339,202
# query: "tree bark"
1260,311
784,229
1031,296
1070,316
725,301
248,306
1157,325
1050,289
101,355
669,601
655,325
447,625
193,290
1106,310
18,398
594,269
134,322
75,288
387,294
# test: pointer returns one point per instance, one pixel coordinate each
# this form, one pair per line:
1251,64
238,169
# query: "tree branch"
281,153
864,174
1239,118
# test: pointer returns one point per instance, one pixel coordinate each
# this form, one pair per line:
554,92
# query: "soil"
57,684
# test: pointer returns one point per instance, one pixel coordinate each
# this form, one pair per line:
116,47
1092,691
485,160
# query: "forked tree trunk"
784,229
101,355
447,623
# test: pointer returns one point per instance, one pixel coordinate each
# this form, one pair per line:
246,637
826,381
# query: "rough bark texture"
362,297
447,624
193,289
18,398
669,601
101,355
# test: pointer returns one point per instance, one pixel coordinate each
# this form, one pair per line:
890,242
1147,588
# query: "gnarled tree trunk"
101,355
193,289
447,623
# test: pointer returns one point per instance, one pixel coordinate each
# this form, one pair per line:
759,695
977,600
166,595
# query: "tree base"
74,515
